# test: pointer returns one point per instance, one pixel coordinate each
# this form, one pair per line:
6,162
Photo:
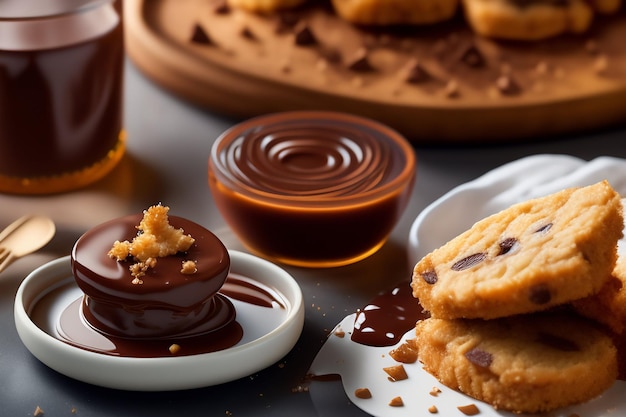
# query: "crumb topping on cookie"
156,238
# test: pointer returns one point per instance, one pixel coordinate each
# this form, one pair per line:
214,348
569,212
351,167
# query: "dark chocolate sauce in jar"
61,80
388,317
73,329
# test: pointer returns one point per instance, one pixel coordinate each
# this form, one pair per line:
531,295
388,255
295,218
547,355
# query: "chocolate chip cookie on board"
528,20
529,257
394,12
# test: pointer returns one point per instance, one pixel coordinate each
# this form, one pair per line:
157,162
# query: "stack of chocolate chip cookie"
520,304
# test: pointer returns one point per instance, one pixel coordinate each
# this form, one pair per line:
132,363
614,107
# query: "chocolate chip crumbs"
416,73
156,239
200,36
469,410
473,57
396,402
303,35
360,61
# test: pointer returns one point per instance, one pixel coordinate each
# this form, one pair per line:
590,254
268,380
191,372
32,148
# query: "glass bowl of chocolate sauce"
312,188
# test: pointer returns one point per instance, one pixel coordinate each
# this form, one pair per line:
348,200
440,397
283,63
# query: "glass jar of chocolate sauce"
61,81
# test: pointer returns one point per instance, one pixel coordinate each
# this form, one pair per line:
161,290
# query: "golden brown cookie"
530,363
392,12
609,305
529,257
527,19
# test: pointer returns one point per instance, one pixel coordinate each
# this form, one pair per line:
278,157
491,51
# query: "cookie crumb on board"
38,411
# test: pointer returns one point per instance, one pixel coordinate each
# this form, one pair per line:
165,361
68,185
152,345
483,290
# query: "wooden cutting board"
561,86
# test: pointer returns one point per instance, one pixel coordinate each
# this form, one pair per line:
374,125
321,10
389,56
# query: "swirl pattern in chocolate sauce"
312,158
315,189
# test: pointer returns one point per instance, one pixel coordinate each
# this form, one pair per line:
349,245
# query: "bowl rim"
403,179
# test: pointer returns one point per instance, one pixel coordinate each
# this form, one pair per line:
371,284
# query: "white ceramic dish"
266,339
362,366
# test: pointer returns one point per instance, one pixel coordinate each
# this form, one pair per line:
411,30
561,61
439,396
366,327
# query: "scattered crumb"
396,402
396,373
363,393
38,411
174,348
340,333
434,391
74,410
188,268
405,353
300,388
433,409
469,409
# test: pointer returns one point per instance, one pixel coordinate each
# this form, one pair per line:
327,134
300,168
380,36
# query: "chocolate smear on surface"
388,317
